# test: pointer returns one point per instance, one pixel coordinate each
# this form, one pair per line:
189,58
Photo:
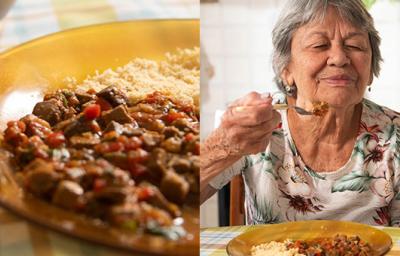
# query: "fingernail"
239,109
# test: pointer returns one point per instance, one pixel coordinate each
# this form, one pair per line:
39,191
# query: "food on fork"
320,108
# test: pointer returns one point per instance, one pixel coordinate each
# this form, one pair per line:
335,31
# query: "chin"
342,102
342,98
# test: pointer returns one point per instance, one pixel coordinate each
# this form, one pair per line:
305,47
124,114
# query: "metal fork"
282,106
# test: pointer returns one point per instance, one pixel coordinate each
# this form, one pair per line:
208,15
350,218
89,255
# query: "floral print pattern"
280,187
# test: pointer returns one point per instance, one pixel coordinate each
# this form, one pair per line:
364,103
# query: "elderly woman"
342,165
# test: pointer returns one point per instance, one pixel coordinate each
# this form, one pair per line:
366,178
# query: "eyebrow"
350,35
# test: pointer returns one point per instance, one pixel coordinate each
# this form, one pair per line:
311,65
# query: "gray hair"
299,12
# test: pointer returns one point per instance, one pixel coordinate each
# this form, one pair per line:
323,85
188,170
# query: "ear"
287,77
371,79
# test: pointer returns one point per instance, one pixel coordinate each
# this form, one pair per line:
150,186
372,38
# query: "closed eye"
355,47
319,46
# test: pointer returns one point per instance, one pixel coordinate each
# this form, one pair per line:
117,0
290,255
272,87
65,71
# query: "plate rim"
7,51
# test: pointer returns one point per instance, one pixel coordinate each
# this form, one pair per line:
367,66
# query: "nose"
338,56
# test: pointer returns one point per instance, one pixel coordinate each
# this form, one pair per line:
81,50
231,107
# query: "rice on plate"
178,76
274,248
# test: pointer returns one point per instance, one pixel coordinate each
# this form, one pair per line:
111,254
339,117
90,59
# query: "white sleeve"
226,175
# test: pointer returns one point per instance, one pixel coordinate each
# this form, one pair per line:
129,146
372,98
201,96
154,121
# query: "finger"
243,135
250,115
252,99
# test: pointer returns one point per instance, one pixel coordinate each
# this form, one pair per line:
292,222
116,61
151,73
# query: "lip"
339,80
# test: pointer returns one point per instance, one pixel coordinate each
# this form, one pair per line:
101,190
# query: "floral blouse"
280,187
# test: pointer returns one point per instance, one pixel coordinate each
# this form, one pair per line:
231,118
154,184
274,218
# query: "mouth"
338,80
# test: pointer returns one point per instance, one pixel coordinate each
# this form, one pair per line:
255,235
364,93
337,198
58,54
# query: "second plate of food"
316,235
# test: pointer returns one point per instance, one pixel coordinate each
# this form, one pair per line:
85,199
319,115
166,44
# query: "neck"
335,128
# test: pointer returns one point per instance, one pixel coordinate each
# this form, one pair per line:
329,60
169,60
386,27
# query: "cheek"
362,65
308,67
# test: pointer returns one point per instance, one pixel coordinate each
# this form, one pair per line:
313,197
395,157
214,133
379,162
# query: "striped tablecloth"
213,241
29,19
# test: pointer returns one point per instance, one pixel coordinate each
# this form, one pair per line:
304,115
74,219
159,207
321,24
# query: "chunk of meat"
118,114
172,131
153,125
182,124
36,126
94,207
74,173
157,163
82,154
83,96
151,139
113,95
41,178
172,144
48,110
128,129
68,195
174,187
193,182
77,125
195,160
119,159
123,213
158,199
180,164
134,216
112,195
87,139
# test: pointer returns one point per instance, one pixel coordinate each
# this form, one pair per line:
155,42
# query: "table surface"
213,241
29,19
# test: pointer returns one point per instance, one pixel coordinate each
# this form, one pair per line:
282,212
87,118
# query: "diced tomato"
154,97
107,147
104,105
145,193
189,137
91,91
116,146
55,139
137,170
99,184
173,116
92,112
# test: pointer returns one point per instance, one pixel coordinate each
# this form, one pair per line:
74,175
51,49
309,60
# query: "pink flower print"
383,216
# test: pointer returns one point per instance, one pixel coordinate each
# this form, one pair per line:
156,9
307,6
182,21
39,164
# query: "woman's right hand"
248,123
246,128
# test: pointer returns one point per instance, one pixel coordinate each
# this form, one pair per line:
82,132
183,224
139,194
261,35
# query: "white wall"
236,36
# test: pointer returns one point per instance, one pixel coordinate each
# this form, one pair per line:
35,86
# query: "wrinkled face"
330,62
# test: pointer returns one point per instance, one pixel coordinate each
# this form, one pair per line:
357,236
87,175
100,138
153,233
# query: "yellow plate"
306,230
30,69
